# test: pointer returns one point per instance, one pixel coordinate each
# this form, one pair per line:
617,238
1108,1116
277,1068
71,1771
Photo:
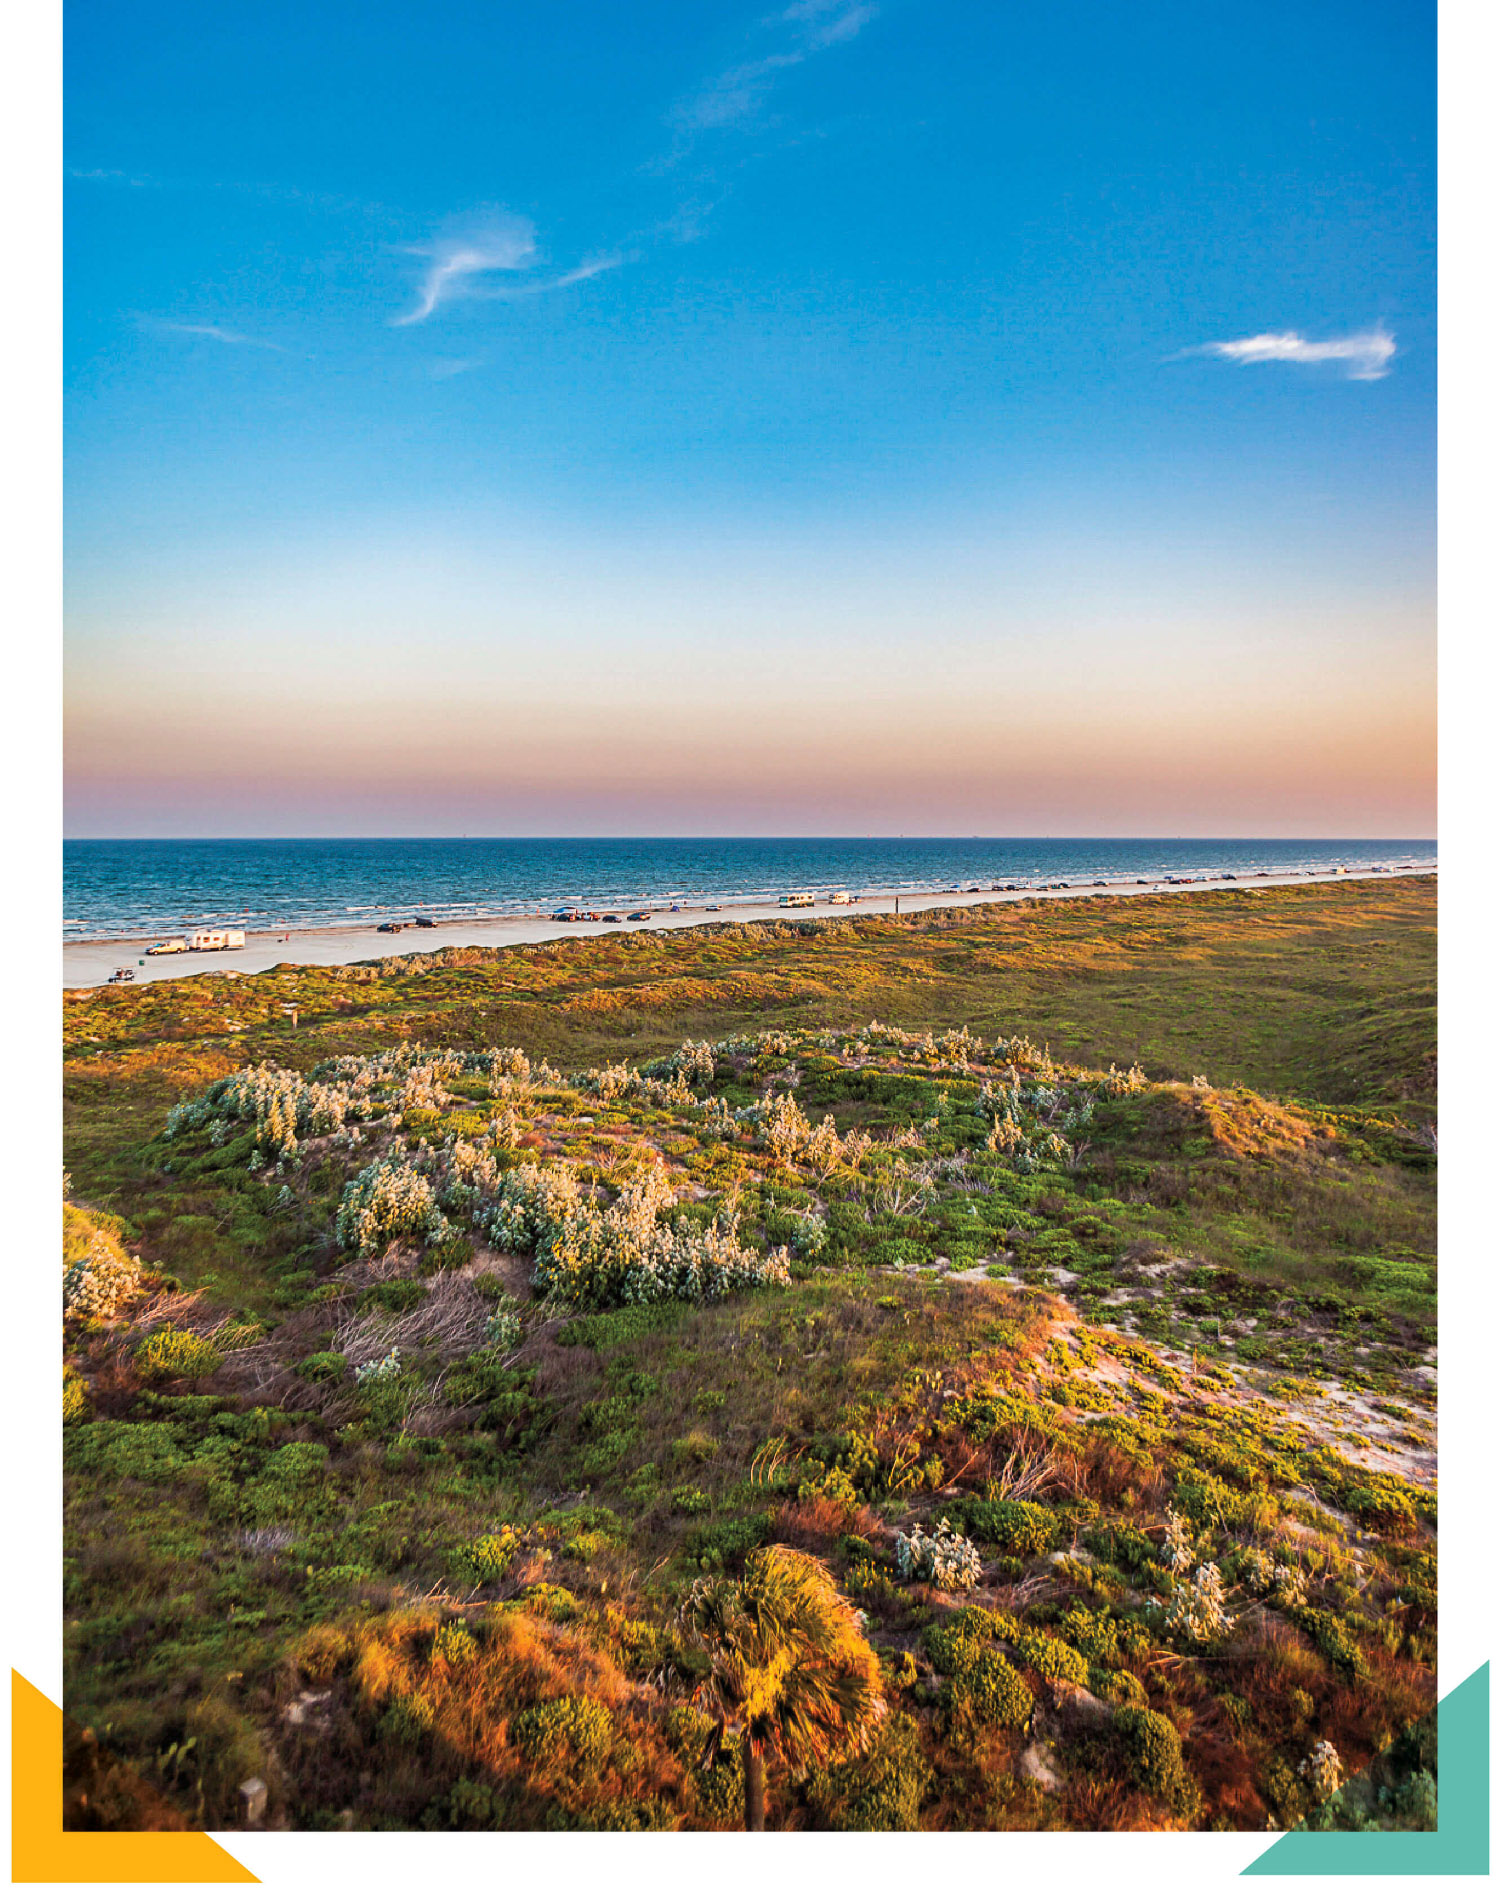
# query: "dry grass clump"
533,1710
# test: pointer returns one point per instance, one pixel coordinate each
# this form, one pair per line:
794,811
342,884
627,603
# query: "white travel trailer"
796,900
218,939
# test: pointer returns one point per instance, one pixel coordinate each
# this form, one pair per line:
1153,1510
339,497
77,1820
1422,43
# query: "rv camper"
213,940
796,900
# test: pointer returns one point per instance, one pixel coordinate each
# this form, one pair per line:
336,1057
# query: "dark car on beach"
565,914
390,927
611,917
422,921
639,914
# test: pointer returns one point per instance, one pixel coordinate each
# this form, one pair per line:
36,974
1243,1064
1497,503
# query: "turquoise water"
123,888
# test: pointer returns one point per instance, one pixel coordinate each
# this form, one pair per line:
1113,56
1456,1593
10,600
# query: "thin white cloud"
445,367
538,286
490,260
98,175
1365,357
738,93
829,22
213,333
459,260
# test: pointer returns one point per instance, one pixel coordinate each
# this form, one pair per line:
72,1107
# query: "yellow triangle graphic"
42,1850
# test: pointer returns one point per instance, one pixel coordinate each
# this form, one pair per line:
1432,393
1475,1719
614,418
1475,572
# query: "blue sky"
914,395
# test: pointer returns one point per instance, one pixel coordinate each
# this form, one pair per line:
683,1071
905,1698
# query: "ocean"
123,888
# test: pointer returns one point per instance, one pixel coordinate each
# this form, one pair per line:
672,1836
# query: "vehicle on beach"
639,914
611,917
217,940
712,908
565,914
840,900
390,927
797,900
176,945
422,921
120,976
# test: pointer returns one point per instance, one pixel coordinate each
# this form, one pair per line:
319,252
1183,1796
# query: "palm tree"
789,1668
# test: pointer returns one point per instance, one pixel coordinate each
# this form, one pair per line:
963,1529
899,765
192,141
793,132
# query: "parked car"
565,914
422,921
611,917
639,914
177,945
120,975
390,927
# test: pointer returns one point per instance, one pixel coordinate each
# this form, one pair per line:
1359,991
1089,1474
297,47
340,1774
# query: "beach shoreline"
90,963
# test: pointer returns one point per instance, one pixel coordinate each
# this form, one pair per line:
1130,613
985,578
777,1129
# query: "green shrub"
175,1354
1332,1637
1014,1525
326,1365
75,1397
554,1602
406,1721
576,1727
449,1252
1152,1752
881,1791
1117,1686
690,1500
719,1789
486,1560
1051,1658
716,1547
468,1805
992,1692
395,1297
453,1644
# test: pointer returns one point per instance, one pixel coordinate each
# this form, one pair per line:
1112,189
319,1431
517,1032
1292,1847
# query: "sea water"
123,888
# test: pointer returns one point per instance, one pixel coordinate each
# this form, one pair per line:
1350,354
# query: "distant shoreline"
89,963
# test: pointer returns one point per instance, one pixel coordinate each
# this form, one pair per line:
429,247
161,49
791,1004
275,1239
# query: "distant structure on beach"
796,900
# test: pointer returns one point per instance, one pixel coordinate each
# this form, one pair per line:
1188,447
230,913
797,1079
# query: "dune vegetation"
969,1371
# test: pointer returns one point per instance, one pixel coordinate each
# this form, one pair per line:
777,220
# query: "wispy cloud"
1365,357
96,174
212,332
493,255
737,94
445,367
461,258
489,257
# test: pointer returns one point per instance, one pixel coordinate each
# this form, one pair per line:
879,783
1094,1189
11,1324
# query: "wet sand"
90,963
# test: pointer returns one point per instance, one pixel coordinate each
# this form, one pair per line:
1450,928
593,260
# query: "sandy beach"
91,963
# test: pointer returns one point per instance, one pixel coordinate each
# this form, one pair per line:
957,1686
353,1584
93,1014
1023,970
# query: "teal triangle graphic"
1461,1842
